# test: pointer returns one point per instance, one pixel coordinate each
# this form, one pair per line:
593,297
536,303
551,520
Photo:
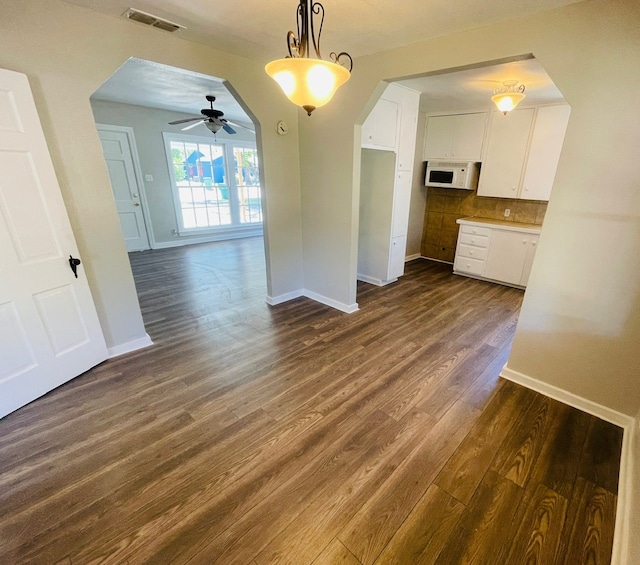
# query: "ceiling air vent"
151,20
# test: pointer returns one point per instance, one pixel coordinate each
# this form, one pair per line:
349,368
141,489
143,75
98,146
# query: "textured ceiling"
144,83
360,27
258,30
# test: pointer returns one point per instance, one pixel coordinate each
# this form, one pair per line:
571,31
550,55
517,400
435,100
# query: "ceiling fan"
212,119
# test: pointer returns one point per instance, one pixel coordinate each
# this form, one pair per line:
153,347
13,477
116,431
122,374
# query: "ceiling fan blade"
183,121
193,125
236,124
226,127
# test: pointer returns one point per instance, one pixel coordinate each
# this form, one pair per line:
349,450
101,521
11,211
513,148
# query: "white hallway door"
118,154
49,329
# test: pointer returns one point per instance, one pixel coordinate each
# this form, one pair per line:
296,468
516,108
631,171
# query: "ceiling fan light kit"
309,83
508,96
212,119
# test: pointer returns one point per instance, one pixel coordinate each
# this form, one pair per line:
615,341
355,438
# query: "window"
216,184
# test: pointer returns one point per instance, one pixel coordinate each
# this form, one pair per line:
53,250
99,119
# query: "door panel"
124,183
49,329
23,206
15,351
62,318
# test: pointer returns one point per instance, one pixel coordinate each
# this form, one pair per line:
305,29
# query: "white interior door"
49,330
118,154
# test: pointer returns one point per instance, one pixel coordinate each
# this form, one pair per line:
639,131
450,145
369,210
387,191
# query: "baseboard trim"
621,554
347,308
412,257
206,239
130,346
621,534
374,281
275,300
593,408
437,260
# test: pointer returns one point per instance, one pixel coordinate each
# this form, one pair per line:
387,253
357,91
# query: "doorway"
123,164
150,101
136,109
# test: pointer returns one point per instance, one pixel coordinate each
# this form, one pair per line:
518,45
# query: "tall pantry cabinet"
388,147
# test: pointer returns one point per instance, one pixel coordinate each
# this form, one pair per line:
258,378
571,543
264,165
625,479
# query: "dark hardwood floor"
298,434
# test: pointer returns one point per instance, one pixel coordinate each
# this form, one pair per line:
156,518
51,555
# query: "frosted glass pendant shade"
308,83
507,101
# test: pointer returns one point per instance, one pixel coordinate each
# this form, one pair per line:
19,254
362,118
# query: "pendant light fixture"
508,96
309,83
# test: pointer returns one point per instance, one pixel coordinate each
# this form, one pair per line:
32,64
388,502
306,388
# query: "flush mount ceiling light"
508,96
309,83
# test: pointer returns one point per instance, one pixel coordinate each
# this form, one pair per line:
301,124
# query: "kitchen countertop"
503,224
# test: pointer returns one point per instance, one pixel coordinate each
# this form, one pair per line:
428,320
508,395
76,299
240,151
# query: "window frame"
227,145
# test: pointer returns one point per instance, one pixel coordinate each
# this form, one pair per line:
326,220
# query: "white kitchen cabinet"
497,251
522,152
510,256
532,245
385,194
380,129
401,202
408,129
544,151
396,256
456,137
505,153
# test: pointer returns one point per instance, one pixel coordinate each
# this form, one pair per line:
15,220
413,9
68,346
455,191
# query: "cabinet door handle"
513,188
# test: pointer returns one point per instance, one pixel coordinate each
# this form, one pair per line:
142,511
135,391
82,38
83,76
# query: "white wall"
68,52
148,125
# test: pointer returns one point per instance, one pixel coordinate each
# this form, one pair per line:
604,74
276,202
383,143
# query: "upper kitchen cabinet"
456,137
522,152
380,129
505,154
544,151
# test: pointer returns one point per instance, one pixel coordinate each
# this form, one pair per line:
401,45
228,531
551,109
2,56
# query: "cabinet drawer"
472,239
472,252
475,230
466,265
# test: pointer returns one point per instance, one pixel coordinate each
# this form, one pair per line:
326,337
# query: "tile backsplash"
445,206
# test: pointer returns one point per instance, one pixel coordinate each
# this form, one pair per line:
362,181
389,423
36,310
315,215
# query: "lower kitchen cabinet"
497,251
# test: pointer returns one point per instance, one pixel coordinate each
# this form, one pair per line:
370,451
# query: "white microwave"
448,174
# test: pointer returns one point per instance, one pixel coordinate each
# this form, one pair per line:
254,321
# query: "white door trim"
144,203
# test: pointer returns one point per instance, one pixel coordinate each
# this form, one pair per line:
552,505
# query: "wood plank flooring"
297,434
